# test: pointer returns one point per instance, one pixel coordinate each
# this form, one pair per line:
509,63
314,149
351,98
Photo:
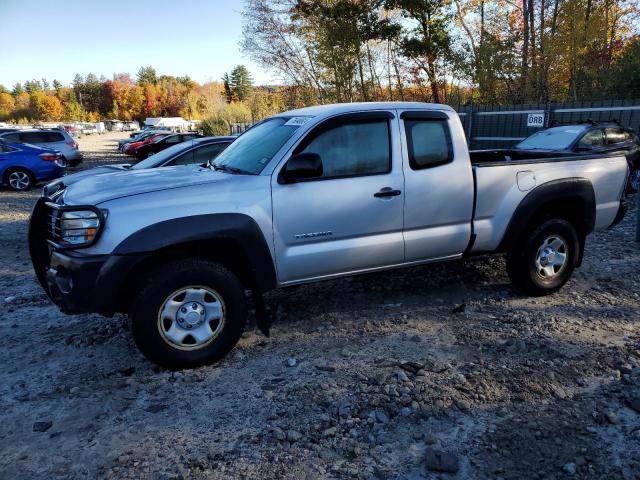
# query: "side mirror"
584,148
302,167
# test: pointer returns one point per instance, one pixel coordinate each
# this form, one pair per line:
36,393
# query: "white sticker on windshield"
297,121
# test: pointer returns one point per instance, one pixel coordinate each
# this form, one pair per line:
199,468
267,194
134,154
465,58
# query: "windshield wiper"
226,168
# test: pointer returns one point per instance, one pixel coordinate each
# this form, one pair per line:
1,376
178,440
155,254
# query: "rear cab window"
428,138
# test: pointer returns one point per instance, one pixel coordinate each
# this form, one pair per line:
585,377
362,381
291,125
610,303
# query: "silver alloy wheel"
551,257
191,317
19,180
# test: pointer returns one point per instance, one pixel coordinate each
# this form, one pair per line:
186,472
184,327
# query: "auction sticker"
297,121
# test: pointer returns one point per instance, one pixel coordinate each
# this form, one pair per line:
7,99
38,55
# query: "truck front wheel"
188,313
544,258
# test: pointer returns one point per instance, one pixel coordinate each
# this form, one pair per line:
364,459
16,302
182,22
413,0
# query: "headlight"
79,227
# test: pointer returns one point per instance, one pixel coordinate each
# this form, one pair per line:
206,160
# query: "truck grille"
55,229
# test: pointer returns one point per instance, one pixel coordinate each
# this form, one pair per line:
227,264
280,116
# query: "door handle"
387,192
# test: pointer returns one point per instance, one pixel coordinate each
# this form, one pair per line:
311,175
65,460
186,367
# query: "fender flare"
236,227
571,190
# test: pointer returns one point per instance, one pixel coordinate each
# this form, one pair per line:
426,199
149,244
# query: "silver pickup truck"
309,195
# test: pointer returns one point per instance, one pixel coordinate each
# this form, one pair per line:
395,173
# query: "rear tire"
544,257
188,313
19,179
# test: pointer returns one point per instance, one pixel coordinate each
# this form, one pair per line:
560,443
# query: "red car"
131,149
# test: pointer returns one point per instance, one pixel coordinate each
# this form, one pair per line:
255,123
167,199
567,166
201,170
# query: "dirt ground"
391,375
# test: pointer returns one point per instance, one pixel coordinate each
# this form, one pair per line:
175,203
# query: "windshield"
558,138
251,152
158,138
162,157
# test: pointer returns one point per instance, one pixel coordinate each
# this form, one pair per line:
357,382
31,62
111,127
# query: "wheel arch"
572,199
233,240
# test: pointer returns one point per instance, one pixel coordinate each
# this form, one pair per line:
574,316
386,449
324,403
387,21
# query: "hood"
95,189
74,177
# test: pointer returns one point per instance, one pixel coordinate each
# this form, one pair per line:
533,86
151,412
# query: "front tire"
188,313
544,258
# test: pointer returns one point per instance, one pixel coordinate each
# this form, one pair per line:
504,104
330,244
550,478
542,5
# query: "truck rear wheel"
544,258
188,313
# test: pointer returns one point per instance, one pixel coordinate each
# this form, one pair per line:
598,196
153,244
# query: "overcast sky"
59,38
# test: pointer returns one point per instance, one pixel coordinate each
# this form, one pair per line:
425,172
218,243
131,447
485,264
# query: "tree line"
89,98
449,51
453,51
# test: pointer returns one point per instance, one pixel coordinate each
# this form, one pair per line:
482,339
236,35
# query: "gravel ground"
394,375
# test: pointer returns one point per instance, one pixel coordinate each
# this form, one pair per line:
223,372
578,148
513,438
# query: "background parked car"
59,140
138,137
159,143
23,165
195,152
587,138
132,147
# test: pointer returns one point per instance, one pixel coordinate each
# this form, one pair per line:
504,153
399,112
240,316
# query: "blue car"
23,165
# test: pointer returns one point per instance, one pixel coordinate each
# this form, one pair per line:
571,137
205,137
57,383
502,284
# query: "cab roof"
336,108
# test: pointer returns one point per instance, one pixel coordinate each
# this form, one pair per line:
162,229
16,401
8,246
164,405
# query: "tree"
215,126
7,105
17,90
627,74
428,42
227,87
240,83
147,75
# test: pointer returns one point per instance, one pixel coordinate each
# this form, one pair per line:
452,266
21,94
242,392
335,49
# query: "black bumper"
71,281
75,282
83,284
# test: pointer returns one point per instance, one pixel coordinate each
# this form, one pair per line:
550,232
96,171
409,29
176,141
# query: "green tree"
215,125
240,83
17,90
626,76
227,87
428,43
147,75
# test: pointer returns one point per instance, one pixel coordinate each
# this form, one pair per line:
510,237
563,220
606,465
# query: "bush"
215,126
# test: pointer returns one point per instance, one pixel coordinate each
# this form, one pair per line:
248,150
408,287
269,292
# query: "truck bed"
502,184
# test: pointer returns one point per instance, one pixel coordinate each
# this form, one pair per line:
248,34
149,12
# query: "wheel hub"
551,257
191,315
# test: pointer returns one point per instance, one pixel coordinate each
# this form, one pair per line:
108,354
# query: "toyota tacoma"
309,195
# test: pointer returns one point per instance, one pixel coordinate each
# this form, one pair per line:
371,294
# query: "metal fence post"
547,115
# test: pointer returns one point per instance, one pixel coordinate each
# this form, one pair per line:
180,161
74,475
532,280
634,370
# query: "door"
349,218
439,186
